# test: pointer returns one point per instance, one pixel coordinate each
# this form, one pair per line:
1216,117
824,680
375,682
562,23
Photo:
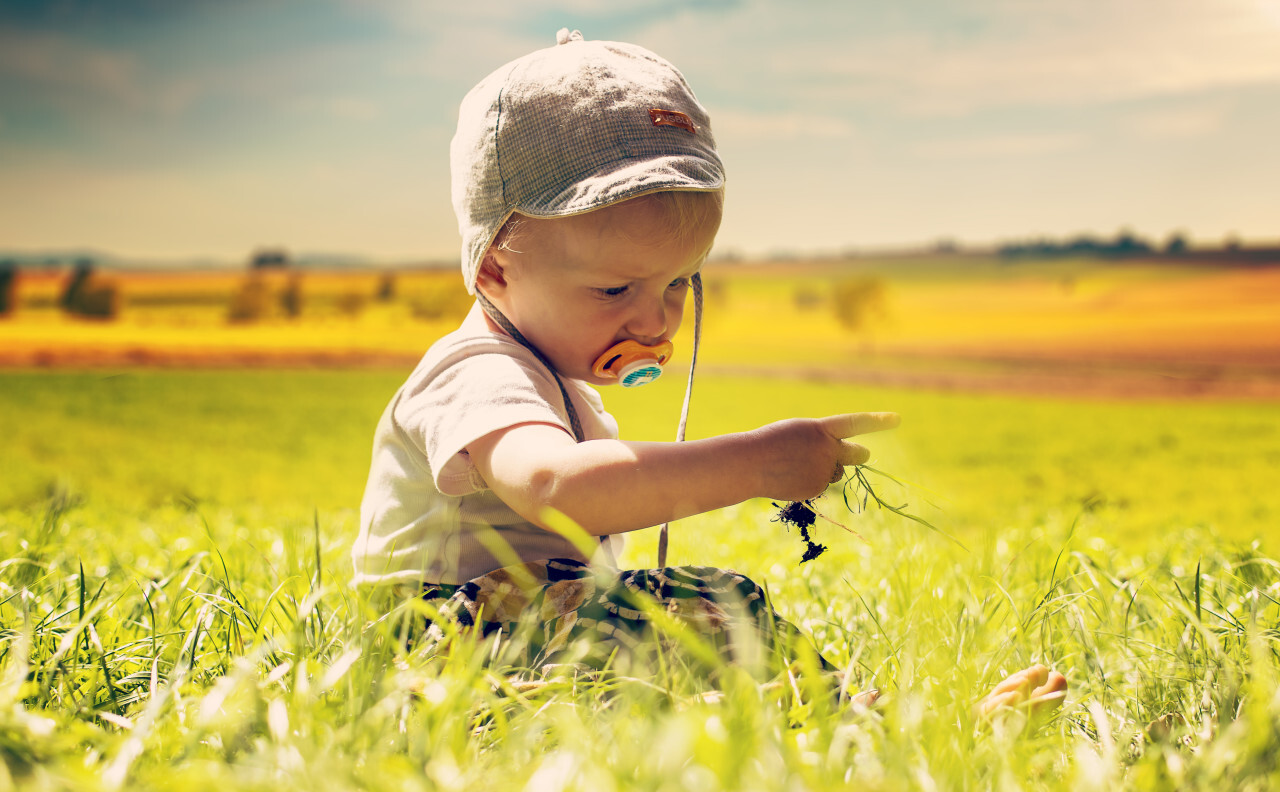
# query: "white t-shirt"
425,505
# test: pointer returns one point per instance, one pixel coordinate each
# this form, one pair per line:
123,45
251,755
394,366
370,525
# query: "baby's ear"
491,276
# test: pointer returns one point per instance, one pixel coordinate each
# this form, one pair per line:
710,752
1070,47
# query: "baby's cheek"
675,313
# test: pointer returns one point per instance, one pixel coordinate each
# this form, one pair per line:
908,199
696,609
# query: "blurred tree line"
8,286
1127,244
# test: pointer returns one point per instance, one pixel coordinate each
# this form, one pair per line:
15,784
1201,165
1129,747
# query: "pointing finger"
850,424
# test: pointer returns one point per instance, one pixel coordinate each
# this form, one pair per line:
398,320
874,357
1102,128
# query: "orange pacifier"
633,363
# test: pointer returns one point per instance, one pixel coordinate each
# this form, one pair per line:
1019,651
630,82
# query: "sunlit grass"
238,658
174,610
990,463
301,440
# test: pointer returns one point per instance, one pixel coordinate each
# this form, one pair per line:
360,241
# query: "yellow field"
1095,327
1133,329
182,319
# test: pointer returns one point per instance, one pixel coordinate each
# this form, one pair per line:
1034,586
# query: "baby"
588,191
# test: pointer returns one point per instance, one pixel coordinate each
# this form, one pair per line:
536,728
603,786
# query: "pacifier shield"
633,363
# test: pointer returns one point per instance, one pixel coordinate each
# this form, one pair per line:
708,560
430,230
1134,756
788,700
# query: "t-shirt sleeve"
469,393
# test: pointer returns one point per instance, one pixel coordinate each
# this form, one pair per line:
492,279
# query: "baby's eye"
678,283
613,291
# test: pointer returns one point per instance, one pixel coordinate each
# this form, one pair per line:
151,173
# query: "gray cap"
572,128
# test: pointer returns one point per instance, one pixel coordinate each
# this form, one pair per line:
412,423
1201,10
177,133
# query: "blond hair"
684,213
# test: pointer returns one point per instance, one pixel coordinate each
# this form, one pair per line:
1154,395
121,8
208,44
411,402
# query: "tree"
269,258
8,286
88,295
857,300
1176,245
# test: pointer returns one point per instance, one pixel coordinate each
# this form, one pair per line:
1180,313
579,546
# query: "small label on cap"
673,118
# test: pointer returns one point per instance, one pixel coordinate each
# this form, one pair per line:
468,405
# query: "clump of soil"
802,516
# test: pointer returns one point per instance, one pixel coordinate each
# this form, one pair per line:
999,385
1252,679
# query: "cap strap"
492,310
696,283
505,324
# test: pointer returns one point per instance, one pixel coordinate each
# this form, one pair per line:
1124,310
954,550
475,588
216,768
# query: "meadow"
1062,326
174,612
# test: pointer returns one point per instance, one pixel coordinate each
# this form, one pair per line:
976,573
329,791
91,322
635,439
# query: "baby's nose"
649,323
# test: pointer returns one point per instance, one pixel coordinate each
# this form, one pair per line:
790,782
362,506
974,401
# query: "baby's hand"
802,456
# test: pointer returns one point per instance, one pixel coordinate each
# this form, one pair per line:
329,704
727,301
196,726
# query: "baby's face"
576,286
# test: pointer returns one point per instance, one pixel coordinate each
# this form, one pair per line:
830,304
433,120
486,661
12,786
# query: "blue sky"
207,128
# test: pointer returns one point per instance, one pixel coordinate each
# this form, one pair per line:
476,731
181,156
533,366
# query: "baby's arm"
611,486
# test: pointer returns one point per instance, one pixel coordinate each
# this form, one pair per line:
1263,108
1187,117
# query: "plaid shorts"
564,612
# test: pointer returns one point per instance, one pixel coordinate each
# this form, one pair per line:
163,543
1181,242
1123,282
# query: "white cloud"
920,58
461,57
343,107
83,80
740,125
1093,51
984,53
999,146
354,108
1175,124
1270,9
457,43
88,82
67,72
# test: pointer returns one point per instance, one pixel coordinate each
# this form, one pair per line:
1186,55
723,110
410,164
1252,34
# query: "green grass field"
174,614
